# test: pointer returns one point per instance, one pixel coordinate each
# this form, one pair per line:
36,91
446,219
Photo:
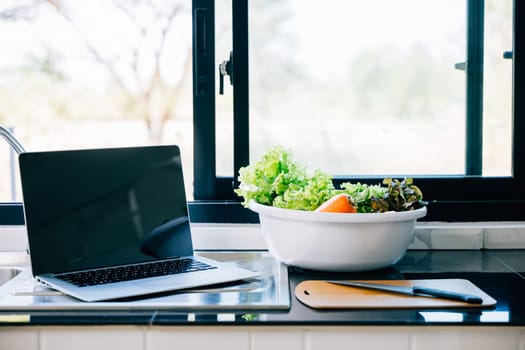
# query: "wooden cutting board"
325,295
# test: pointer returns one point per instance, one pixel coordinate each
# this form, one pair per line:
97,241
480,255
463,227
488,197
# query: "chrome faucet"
11,140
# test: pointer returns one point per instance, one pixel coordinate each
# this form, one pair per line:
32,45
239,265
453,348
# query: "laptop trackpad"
163,284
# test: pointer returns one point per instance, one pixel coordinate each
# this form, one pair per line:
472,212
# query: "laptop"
112,223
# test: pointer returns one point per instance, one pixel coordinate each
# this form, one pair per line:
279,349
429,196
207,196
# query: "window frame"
451,198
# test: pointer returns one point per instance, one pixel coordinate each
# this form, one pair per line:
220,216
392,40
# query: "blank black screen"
102,207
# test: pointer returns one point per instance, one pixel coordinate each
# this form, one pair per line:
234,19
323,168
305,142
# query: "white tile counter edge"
428,235
263,337
230,236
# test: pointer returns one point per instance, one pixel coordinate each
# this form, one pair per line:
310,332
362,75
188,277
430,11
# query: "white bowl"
337,241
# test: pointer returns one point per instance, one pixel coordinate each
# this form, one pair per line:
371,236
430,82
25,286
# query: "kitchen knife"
414,290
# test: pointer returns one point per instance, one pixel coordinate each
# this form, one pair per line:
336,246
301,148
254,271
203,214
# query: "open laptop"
99,221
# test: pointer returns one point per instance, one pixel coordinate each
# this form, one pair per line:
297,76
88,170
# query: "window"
422,89
93,74
370,90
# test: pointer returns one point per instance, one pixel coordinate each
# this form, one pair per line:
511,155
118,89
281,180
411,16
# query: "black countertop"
499,273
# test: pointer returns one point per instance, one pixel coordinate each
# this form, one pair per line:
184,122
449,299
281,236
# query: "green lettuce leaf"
277,179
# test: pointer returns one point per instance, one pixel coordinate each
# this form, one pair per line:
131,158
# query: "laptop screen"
102,207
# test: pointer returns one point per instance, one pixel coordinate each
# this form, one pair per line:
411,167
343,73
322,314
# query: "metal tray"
268,292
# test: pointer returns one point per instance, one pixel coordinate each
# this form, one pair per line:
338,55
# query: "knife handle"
468,298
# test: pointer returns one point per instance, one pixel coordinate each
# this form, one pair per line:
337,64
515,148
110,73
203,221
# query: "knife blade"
414,291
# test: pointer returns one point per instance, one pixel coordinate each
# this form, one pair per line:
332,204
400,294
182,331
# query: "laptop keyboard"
133,272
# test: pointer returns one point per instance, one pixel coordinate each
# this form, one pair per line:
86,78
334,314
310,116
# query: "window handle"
225,68
508,55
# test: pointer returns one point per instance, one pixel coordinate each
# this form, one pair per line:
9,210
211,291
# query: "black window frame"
471,197
451,198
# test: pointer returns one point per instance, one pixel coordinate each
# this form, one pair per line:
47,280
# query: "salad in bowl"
308,223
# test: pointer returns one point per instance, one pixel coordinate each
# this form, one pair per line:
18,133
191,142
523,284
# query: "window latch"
461,66
508,55
225,68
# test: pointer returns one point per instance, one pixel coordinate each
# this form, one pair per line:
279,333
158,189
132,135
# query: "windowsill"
427,236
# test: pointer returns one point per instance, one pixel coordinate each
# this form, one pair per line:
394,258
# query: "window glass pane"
98,73
360,87
224,102
497,107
